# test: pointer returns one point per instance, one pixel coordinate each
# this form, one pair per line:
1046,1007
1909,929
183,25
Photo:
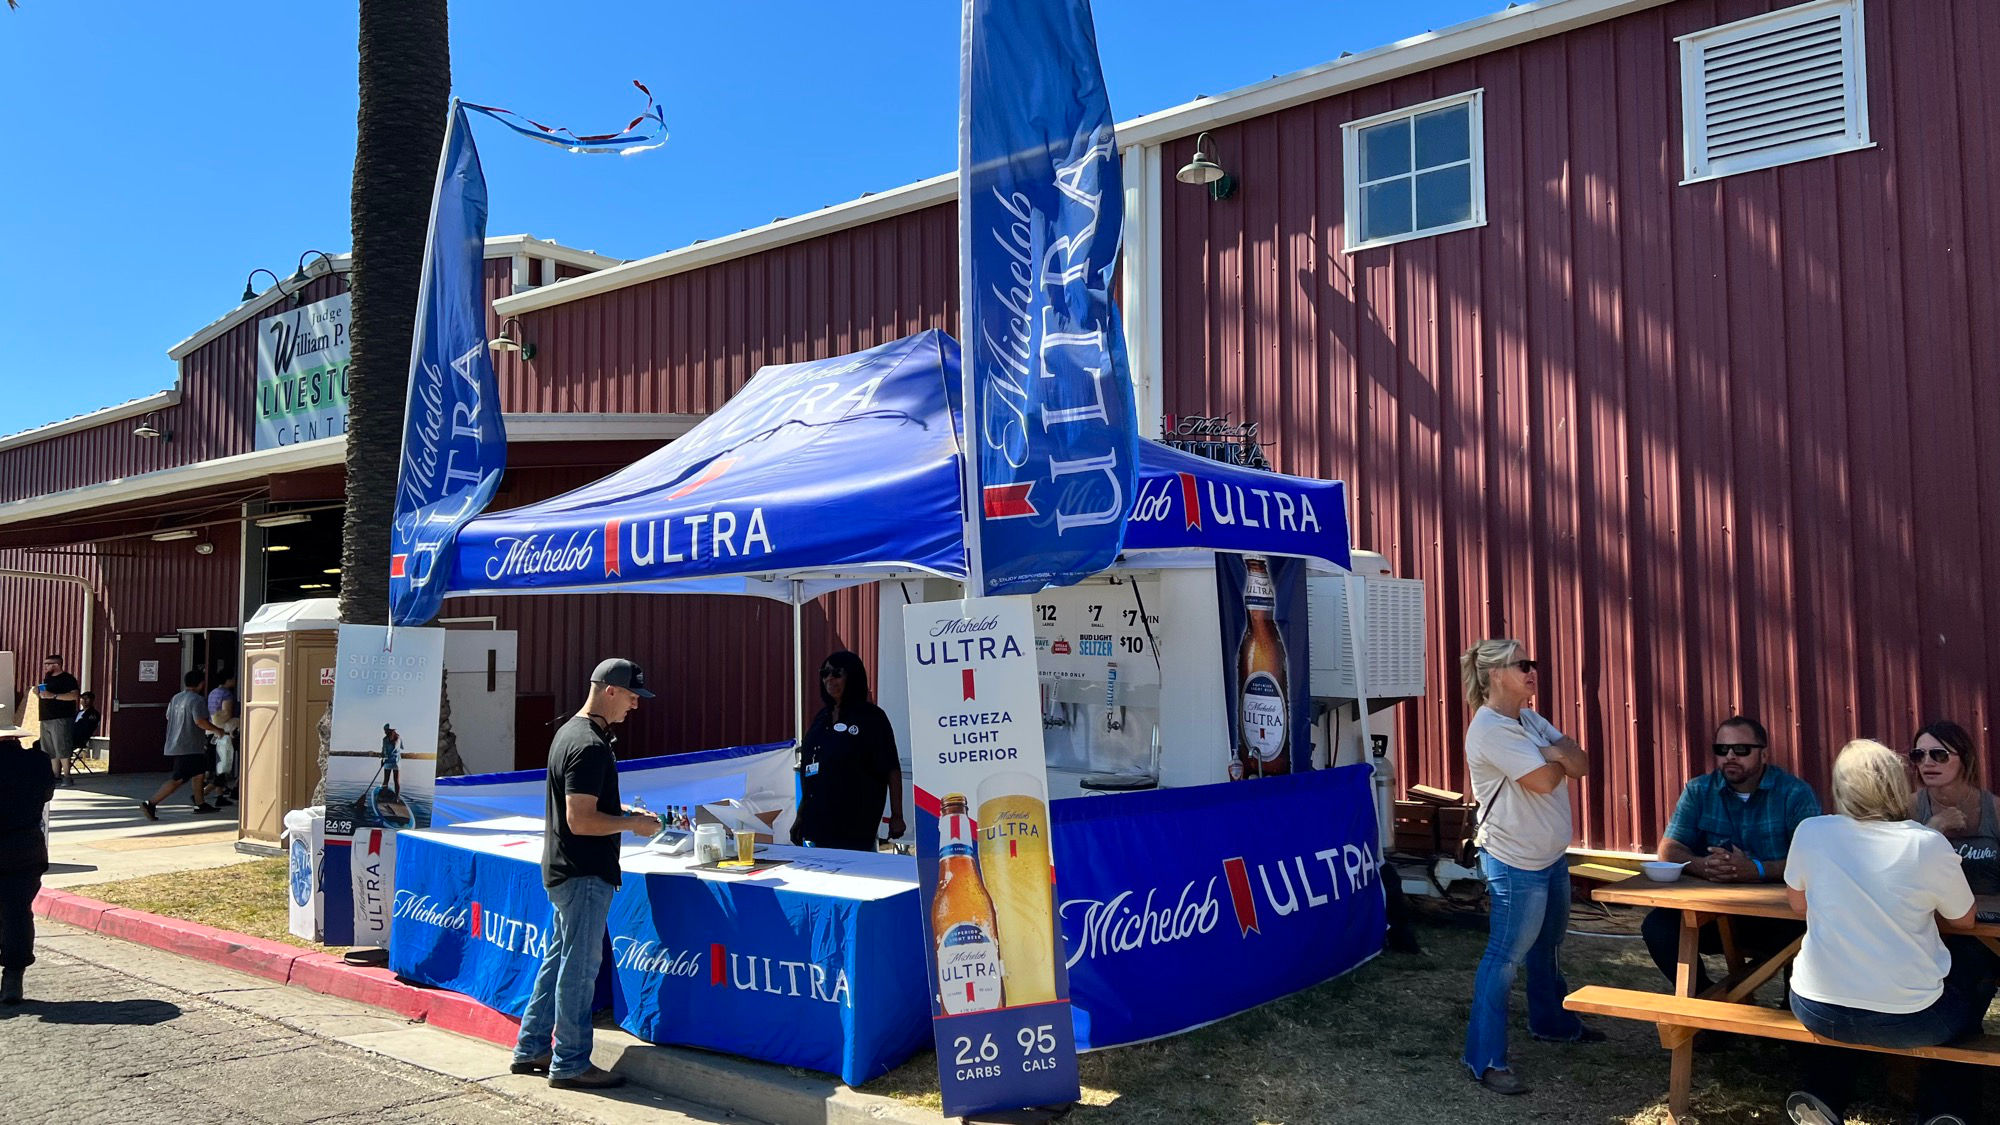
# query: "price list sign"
999,989
1083,632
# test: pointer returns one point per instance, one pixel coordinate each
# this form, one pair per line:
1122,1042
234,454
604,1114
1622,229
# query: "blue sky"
187,144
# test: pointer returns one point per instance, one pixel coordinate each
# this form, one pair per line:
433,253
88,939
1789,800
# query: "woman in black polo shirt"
848,765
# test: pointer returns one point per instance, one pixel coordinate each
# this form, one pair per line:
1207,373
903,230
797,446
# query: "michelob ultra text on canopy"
962,925
1263,692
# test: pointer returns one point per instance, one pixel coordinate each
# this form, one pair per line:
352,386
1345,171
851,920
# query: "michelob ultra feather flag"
1051,440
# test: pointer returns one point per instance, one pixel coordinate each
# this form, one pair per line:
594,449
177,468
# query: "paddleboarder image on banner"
385,792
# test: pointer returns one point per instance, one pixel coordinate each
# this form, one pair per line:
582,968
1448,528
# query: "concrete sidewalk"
290,1017
97,833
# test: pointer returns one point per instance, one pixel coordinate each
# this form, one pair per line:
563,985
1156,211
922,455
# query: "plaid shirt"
1711,815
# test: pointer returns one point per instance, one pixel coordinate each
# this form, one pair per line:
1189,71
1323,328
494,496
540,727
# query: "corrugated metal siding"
216,417
140,587
1710,448
684,344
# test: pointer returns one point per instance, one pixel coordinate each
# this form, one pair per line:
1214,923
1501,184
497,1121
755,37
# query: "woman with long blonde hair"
1520,766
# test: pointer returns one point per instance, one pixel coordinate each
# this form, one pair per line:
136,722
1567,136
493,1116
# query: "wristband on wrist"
1760,868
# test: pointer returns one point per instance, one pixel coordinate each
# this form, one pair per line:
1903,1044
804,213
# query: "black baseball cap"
619,672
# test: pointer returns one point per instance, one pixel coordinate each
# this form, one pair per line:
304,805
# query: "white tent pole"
798,669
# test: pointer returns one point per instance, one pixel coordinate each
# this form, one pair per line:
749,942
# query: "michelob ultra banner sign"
999,993
1266,665
1289,895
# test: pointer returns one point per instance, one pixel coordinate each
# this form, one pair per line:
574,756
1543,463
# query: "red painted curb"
286,964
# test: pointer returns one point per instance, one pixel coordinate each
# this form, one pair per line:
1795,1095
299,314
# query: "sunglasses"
1937,754
1527,667
832,674
1740,749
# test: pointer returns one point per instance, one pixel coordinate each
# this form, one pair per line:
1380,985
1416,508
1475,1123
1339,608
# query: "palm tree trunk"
405,92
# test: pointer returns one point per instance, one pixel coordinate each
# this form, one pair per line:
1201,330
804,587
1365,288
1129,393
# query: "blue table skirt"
770,967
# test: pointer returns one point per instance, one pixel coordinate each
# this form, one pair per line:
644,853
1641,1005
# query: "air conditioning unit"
1392,637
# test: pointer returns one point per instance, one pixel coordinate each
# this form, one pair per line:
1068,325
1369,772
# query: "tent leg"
798,668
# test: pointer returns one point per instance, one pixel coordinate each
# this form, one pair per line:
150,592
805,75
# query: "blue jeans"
1530,915
1942,1087
566,984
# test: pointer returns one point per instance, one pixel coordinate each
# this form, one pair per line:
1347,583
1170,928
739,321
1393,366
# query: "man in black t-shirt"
58,692
580,870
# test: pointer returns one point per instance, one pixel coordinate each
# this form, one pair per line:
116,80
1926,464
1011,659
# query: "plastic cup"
746,845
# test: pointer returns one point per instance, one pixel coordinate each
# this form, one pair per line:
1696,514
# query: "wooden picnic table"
1701,902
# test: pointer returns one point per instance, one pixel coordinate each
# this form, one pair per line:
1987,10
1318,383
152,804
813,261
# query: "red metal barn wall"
138,587
1707,449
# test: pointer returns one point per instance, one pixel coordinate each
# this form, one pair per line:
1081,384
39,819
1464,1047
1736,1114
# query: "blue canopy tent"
827,474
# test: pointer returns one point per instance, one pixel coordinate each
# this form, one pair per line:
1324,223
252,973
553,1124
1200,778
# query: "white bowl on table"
1661,871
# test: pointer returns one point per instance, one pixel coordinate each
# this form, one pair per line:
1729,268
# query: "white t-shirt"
1874,890
1518,828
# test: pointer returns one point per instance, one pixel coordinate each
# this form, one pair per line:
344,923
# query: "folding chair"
79,759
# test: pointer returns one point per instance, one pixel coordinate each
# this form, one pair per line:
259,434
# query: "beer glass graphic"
1014,863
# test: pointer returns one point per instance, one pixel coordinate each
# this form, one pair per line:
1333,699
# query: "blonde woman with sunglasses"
1520,766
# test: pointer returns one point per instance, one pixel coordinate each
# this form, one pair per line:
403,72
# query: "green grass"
245,898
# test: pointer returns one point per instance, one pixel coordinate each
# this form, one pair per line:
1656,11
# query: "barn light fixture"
1203,170
509,340
299,278
148,429
204,548
250,291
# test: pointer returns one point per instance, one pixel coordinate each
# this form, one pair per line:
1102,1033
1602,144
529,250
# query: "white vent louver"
1773,90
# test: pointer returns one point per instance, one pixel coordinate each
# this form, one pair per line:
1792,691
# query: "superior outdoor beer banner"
383,759
999,993
1287,895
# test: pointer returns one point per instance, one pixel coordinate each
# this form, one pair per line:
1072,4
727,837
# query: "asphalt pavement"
115,1032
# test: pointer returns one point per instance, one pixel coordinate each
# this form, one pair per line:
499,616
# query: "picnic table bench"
1728,1005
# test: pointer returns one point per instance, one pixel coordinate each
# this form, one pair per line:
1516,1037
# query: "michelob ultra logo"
1258,894
1221,504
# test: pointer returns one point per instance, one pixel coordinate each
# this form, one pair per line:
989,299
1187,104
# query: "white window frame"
1695,165
1350,138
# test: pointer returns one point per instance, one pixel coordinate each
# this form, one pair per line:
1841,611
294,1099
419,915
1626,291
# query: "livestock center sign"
302,359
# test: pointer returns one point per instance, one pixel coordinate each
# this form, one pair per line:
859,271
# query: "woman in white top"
1874,886
1520,768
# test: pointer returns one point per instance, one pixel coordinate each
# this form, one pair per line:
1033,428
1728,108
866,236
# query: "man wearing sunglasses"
1733,825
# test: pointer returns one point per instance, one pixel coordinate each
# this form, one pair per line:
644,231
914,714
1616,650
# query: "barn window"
1775,89
1415,172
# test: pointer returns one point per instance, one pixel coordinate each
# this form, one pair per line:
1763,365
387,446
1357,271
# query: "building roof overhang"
191,494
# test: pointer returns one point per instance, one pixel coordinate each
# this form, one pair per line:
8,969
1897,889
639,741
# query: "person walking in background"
848,764
222,750
26,786
188,728
581,871
1874,886
1520,766
58,693
1732,825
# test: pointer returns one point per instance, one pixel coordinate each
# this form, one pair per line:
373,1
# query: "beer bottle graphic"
968,951
1262,682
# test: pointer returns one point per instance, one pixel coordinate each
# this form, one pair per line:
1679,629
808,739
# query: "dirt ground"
1381,1045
